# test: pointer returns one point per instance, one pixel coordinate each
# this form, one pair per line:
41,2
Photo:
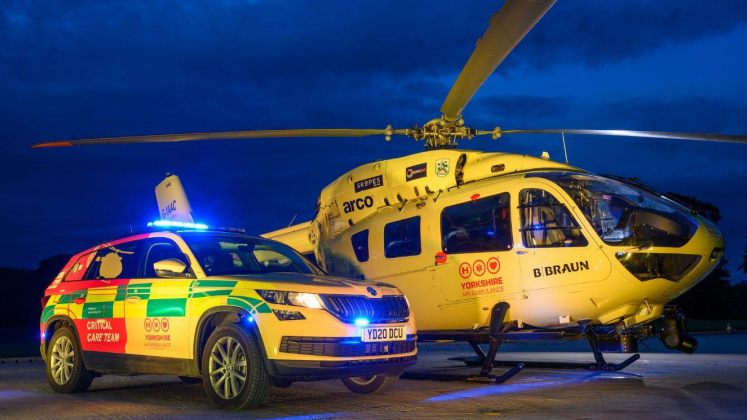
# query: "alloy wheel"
227,368
62,360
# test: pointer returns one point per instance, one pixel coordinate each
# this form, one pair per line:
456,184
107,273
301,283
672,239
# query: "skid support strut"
498,315
602,364
599,365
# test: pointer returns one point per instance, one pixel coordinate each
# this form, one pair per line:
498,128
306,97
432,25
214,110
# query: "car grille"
344,346
376,311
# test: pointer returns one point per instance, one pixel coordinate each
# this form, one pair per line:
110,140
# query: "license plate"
374,334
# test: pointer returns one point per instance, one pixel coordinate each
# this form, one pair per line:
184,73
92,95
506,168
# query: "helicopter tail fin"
296,237
172,200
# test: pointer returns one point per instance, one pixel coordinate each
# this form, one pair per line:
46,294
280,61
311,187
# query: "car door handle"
521,252
80,300
133,299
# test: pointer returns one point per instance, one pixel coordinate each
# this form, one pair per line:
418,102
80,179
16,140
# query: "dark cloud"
77,69
596,33
698,114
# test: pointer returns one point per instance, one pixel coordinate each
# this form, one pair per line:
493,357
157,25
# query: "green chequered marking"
263,308
121,293
250,304
63,299
140,290
216,283
240,303
78,294
47,313
166,307
224,292
98,310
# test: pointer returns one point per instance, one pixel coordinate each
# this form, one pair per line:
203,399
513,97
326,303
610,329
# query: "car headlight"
307,300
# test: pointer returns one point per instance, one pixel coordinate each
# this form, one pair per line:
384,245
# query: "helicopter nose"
715,240
709,243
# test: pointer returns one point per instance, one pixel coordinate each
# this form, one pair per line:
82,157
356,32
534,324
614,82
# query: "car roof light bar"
174,225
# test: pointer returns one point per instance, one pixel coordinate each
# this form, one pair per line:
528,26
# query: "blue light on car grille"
376,311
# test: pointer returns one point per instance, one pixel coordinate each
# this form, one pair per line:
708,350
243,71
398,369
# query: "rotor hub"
442,133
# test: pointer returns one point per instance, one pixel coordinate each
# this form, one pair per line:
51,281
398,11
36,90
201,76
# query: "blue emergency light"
172,224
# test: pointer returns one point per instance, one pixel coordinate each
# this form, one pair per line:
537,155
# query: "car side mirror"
170,267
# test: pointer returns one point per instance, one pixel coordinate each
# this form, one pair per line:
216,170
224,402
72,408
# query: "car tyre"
190,380
370,384
231,353
66,370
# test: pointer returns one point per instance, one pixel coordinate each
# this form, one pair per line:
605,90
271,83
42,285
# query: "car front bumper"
303,370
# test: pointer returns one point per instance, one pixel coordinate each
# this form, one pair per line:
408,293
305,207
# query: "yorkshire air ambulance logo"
442,167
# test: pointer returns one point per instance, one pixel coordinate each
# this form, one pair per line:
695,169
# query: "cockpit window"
546,223
228,255
625,215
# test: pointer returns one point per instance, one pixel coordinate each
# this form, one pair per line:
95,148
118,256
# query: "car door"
97,301
156,307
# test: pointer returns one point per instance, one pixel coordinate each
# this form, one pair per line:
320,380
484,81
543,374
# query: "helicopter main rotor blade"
724,138
223,135
507,28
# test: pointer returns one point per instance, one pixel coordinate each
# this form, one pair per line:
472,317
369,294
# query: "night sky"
73,69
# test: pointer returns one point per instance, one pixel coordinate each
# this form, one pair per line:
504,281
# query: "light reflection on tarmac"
662,385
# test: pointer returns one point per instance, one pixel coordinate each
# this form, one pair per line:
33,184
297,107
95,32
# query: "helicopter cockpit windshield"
623,215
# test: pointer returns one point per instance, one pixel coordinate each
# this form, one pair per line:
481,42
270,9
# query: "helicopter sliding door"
481,268
554,249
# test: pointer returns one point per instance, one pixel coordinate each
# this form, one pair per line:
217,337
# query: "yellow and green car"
238,312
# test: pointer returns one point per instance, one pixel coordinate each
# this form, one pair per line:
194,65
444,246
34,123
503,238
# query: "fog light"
284,315
361,322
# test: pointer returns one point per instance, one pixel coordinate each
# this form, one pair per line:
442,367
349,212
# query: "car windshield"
230,255
623,214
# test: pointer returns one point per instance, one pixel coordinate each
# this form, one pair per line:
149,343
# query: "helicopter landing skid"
496,337
599,365
603,366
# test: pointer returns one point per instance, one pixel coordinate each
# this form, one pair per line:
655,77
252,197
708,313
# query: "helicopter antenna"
293,220
564,149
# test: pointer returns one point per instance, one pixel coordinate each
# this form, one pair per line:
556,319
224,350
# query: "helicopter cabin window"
482,225
359,242
402,238
546,223
116,262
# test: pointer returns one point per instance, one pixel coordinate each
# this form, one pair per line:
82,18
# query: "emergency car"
240,313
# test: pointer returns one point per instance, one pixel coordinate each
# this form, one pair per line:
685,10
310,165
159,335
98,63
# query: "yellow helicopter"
497,247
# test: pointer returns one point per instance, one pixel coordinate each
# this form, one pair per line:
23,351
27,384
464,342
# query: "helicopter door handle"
521,252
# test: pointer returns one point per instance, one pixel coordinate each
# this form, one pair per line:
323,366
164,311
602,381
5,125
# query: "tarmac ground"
662,384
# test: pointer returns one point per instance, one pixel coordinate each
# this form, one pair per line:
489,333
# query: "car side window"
79,269
160,249
482,225
546,222
402,238
359,241
116,262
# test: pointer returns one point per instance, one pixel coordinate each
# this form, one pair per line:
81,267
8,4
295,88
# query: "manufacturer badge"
442,167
